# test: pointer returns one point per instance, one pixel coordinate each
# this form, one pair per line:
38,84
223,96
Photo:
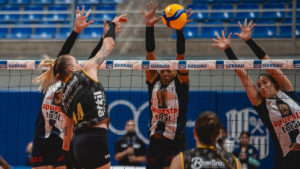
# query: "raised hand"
119,20
246,31
189,14
150,18
222,43
80,22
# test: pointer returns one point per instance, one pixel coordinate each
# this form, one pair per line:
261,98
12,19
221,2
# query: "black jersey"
49,119
206,158
168,107
84,100
282,118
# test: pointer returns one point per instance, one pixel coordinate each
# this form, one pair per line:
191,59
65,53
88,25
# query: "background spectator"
129,149
247,154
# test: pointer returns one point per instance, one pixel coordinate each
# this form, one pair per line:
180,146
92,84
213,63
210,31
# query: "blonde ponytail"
47,78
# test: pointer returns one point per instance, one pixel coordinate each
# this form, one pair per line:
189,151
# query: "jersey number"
162,96
80,114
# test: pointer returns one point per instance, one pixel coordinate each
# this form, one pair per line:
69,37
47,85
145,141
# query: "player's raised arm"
150,20
183,75
223,43
80,24
245,35
91,67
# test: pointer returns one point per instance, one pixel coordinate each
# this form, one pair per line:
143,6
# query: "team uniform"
84,101
130,141
250,152
47,143
168,108
206,158
282,118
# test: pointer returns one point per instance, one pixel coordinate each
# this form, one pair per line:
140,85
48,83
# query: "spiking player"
47,149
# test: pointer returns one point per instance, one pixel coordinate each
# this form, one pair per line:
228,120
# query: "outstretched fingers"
154,9
218,36
82,11
252,26
229,36
77,12
223,36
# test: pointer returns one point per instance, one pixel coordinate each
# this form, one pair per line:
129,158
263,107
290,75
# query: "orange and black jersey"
84,101
206,158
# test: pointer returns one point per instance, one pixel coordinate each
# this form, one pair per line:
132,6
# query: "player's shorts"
89,149
291,160
161,151
47,152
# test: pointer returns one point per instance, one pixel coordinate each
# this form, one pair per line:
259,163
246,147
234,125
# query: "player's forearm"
150,40
180,44
140,159
256,49
96,49
69,43
120,155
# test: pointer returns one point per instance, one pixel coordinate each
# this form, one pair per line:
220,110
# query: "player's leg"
154,154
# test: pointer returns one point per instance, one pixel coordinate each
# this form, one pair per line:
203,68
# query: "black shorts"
161,151
291,160
47,152
89,149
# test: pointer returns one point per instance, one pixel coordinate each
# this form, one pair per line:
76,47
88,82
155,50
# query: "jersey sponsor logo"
165,111
145,64
220,64
3,64
296,64
286,119
257,64
248,120
100,102
291,126
70,92
51,108
198,163
109,64
182,64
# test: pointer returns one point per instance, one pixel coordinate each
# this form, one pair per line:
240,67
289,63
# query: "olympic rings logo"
136,116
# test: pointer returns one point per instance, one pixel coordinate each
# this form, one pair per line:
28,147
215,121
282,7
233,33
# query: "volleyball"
174,16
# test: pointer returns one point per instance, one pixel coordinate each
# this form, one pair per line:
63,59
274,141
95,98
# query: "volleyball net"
214,86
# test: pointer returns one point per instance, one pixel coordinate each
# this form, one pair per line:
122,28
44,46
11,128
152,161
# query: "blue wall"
18,111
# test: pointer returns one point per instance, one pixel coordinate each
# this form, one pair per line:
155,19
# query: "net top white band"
169,64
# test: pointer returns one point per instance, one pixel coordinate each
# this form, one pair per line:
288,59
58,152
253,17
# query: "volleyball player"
47,145
275,101
168,100
206,155
84,103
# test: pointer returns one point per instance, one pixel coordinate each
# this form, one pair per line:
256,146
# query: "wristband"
180,42
230,55
150,41
256,49
111,32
